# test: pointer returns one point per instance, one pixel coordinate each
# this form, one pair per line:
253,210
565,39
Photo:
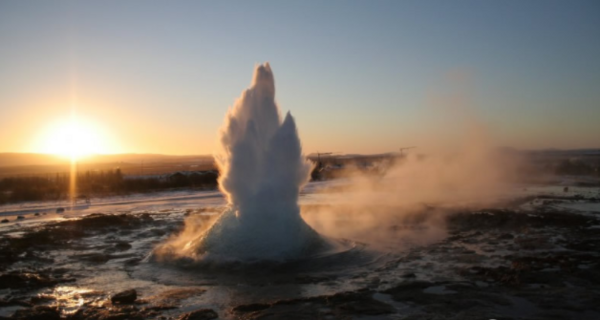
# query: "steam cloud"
405,201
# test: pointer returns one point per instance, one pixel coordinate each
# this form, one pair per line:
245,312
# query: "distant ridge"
11,159
574,152
39,159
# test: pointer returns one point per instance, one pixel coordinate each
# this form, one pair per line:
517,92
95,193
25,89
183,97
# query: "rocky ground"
541,262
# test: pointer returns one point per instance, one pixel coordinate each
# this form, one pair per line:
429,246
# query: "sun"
74,138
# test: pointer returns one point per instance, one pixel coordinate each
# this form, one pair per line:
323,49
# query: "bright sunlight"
74,138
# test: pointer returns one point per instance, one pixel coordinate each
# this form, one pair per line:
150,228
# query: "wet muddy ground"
535,258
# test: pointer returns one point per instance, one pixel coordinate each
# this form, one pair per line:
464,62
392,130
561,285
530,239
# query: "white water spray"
262,171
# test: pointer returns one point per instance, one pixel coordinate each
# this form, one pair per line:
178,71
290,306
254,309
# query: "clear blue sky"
359,76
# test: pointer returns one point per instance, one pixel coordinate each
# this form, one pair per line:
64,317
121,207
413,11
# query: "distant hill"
30,159
573,152
31,164
37,159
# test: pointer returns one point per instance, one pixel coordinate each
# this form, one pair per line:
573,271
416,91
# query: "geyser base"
229,239
323,254
272,239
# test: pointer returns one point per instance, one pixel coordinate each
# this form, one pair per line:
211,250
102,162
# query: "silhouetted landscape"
319,160
101,176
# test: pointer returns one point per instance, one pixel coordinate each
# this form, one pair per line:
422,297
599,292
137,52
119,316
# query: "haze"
359,76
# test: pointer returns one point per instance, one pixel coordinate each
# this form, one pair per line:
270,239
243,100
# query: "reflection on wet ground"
535,258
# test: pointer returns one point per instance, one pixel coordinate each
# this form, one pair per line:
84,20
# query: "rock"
202,314
19,280
95,258
36,214
20,217
5,221
122,246
345,305
160,307
14,302
133,261
38,313
98,221
369,307
506,236
251,307
127,296
113,313
409,291
306,279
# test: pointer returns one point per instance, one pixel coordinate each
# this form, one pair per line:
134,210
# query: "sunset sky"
358,76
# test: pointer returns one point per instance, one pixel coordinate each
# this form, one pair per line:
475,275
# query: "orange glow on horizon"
73,138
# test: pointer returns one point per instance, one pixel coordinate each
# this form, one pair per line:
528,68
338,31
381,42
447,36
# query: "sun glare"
73,138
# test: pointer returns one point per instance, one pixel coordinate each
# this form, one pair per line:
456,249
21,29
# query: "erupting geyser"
262,171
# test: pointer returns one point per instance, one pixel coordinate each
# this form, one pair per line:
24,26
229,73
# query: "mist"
459,167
